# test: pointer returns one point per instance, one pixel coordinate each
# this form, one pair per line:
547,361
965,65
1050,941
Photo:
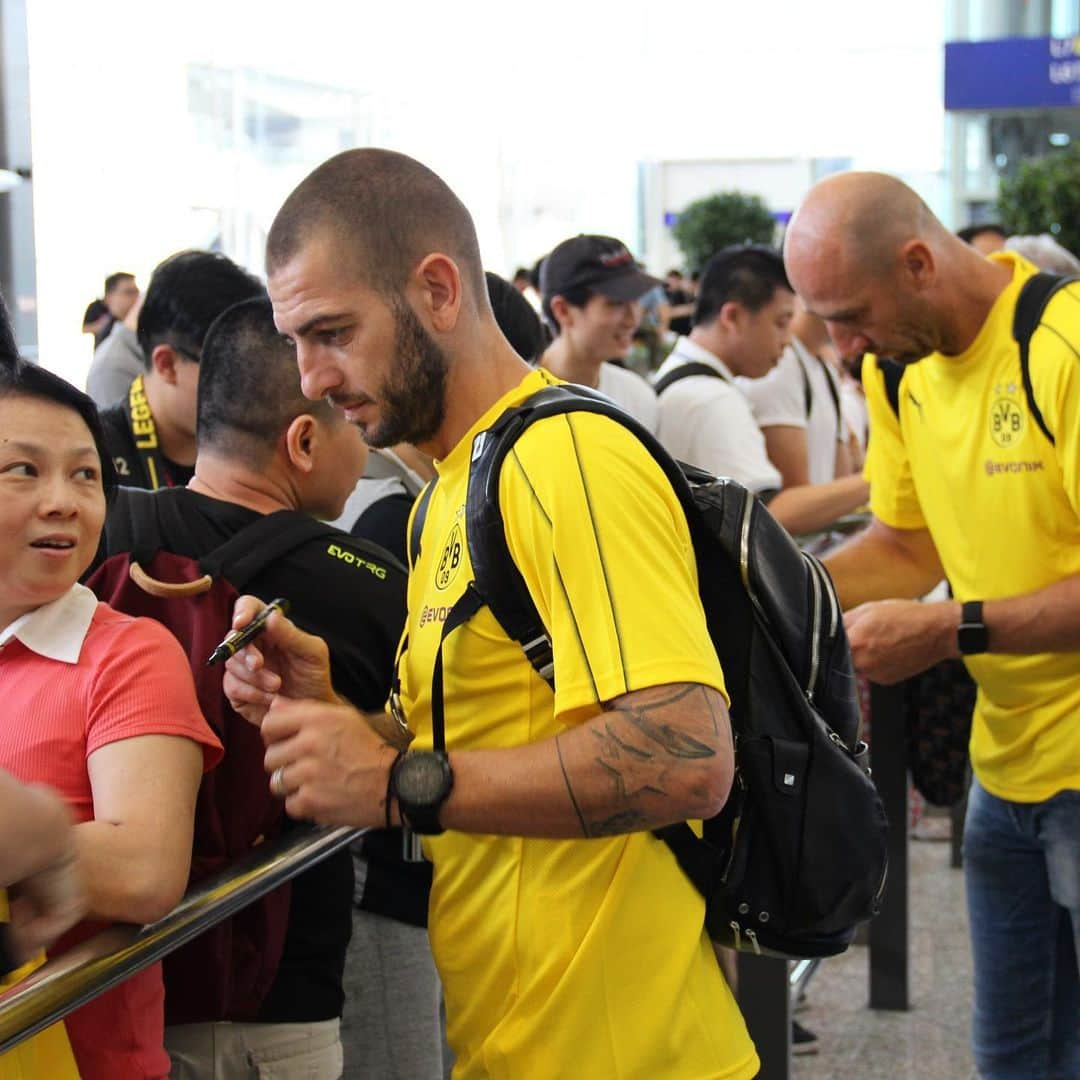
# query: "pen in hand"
235,640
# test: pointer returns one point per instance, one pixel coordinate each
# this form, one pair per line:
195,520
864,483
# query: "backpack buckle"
539,653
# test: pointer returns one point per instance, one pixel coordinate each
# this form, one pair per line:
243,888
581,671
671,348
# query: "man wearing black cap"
592,289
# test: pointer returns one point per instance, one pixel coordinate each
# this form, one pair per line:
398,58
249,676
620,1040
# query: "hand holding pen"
282,659
235,640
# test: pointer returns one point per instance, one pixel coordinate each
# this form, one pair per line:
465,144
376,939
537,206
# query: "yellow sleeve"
602,542
893,499
1054,360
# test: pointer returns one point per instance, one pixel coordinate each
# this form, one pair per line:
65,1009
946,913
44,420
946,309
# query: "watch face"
422,779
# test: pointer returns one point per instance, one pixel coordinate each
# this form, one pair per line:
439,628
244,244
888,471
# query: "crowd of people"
311,438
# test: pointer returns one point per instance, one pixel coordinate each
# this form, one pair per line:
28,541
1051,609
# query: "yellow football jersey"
966,460
568,957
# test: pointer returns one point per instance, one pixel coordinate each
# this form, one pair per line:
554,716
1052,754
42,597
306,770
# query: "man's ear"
560,309
918,265
164,361
730,316
301,442
437,290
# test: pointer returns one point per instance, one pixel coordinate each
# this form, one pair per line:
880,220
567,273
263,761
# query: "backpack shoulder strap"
808,393
270,537
133,525
892,373
1030,306
830,382
685,371
419,517
497,581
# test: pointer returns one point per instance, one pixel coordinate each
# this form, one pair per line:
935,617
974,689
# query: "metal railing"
99,963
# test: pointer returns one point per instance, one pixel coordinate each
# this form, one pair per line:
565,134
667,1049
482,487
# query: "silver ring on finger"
277,782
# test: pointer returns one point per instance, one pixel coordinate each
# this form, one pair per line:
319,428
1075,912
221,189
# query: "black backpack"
797,857
193,598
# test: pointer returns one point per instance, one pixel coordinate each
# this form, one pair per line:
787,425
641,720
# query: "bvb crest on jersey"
450,559
1008,420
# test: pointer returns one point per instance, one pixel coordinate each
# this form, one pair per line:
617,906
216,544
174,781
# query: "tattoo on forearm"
637,748
570,789
676,743
613,741
619,781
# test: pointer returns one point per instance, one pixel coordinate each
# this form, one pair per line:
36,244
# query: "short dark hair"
94,310
748,274
115,280
385,209
187,292
521,326
249,385
578,296
969,232
19,378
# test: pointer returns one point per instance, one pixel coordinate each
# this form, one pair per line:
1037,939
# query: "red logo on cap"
616,258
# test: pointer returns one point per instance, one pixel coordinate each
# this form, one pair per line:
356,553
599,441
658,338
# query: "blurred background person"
592,290
150,431
985,238
1045,252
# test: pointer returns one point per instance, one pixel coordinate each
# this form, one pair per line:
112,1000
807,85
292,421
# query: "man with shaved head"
569,941
975,475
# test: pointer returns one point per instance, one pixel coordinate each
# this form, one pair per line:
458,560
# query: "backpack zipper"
815,619
744,543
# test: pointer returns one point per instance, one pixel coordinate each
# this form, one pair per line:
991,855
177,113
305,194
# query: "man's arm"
787,448
652,757
892,639
811,507
882,563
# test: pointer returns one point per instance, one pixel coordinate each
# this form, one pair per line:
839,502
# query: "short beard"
412,400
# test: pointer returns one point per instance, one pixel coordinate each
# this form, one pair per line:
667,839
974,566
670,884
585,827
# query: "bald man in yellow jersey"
964,483
569,942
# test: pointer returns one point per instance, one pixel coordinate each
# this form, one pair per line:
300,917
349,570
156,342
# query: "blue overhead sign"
1012,73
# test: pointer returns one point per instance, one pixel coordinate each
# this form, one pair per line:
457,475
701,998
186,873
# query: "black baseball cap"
600,263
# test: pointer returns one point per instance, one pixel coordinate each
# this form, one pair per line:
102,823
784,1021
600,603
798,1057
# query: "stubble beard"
412,400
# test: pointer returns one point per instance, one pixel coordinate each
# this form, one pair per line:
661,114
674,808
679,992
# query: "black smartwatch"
421,781
972,636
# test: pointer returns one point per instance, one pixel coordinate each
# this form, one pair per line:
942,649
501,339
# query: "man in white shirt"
742,324
798,408
592,290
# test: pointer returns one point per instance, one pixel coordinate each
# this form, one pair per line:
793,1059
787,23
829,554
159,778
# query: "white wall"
537,114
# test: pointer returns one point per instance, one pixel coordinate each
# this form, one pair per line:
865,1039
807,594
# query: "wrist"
949,629
391,756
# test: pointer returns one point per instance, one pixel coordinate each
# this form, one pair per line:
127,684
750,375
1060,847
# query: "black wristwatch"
421,781
972,636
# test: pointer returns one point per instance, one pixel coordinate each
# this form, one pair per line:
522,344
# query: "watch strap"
972,636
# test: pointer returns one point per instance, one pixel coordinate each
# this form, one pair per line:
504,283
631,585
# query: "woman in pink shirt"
97,705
